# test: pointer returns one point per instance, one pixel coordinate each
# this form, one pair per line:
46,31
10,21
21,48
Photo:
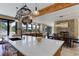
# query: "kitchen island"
30,46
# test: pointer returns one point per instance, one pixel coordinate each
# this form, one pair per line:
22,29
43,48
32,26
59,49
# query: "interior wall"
42,20
76,31
73,26
52,27
78,27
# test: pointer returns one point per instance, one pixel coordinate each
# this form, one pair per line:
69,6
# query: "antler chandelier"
24,15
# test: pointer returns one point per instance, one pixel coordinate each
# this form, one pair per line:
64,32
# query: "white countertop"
31,47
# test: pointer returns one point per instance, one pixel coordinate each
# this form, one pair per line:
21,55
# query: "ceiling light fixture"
60,16
24,15
36,12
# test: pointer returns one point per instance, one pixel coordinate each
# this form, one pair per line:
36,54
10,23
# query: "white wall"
42,20
52,27
78,28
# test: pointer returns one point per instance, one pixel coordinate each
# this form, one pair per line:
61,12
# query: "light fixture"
24,15
26,20
16,20
60,16
36,12
30,17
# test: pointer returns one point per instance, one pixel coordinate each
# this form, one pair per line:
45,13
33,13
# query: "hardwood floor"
70,51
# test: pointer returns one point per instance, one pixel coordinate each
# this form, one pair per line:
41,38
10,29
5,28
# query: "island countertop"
30,47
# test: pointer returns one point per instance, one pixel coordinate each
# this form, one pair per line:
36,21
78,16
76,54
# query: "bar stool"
9,50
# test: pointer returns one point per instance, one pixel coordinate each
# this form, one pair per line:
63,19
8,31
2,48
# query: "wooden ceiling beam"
55,7
6,17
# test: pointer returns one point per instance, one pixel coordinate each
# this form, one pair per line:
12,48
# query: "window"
34,27
37,26
29,28
23,27
12,28
3,29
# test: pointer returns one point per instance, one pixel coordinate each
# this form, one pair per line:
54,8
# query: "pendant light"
36,12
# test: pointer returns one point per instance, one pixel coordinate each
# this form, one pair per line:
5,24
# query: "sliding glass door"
3,28
12,28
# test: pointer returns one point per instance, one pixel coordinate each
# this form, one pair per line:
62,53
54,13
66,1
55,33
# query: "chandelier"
24,14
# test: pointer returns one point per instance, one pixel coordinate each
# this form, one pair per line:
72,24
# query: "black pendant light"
36,12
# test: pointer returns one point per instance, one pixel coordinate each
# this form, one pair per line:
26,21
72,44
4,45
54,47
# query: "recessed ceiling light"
60,16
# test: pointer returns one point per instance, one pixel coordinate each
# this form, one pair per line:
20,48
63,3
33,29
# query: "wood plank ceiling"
55,7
